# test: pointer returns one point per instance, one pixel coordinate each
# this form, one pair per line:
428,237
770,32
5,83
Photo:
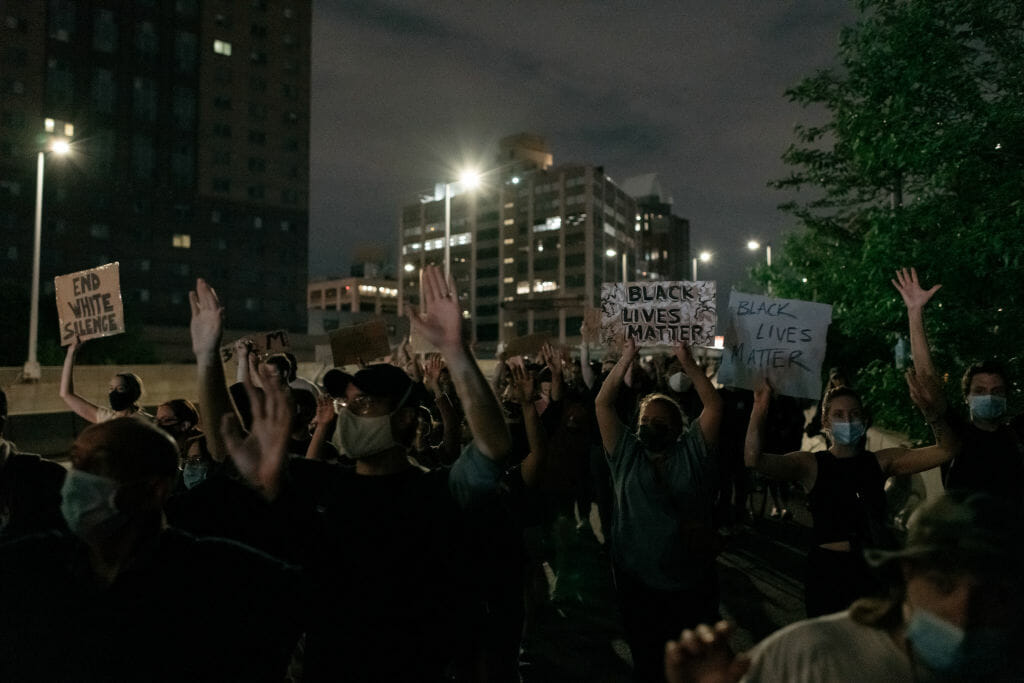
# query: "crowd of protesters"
398,523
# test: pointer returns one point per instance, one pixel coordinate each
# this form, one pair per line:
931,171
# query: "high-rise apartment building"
530,247
664,238
190,154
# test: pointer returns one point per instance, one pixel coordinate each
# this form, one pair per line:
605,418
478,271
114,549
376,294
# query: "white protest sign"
89,303
654,313
780,339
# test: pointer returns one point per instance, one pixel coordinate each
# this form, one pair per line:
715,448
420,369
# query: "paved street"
578,638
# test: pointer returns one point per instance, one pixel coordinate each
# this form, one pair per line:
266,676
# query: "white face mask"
361,437
88,504
680,383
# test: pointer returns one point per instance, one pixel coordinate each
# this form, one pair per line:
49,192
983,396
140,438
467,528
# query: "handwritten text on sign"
781,339
653,313
89,303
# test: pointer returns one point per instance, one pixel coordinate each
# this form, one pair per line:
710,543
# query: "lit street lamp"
56,138
703,257
754,245
469,180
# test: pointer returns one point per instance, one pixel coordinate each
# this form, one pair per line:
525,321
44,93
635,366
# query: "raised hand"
552,360
324,410
763,393
207,324
685,358
440,320
522,382
907,284
629,350
703,655
260,455
432,374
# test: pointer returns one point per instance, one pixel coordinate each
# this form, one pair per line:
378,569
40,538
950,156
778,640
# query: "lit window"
460,239
553,223
544,286
509,259
222,47
509,280
522,288
182,241
510,240
510,221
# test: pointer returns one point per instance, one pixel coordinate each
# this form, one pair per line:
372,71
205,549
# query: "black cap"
336,382
383,380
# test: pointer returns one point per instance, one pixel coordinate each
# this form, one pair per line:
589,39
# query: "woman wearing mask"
125,391
663,479
179,417
845,486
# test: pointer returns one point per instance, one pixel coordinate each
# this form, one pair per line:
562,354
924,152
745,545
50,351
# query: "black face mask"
119,401
656,438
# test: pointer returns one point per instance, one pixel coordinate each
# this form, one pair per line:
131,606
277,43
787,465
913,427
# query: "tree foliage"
920,161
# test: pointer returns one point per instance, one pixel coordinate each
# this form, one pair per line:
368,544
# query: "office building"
190,154
664,238
530,246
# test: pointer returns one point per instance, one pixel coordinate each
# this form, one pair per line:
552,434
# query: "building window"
143,156
62,19
100,231
222,130
215,216
143,295
222,47
257,165
60,83
257,137
221,185
257,222
104,90
144,98
221,157
104,31
256,192
222,102
146,40
181,241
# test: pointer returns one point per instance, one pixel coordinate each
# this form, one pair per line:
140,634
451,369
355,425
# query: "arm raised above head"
440,323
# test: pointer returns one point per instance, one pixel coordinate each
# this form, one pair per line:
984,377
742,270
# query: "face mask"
364,436
88,504
986,406
194,473
848,433
119,400
935,641
679,382
656,439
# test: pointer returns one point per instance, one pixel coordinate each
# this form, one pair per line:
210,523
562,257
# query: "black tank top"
848,501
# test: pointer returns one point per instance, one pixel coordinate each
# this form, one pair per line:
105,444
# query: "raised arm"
553,360
711,416
85,409
523,383
927,395
586,372
608,421
441,324
798,466
915,297
207,327
451,421
324,420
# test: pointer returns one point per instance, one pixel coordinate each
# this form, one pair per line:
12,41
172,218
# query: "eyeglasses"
362,404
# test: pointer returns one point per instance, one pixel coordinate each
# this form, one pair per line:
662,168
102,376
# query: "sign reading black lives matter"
657,313
89,303
781,339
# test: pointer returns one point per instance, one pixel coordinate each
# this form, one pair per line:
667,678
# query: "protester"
662,540
125,392
180,419
383,522
128,599
29,488
954,613
845,486
991,455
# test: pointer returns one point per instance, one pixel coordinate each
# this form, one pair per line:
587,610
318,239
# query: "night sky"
405,93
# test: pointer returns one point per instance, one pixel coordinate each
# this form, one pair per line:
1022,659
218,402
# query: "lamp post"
703,257
468,179
56,142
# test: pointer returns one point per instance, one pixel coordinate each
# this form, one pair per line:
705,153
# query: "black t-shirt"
186,609
991,462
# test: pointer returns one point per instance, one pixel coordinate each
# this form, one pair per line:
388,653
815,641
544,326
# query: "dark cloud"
406,92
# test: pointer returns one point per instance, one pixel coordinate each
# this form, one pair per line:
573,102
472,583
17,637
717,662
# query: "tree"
920,162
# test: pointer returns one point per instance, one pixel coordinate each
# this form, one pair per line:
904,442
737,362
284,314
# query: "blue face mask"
88,504
936,642
986,406
194,473
848,433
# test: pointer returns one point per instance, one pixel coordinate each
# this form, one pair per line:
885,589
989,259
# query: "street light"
470,180
703,257
754,245
56,136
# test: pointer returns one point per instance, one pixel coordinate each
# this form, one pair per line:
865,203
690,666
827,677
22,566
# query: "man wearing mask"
124,597
392,575
991,455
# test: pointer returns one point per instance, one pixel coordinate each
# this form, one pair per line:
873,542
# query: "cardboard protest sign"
528,345
781,339
360,343
89,303
264,343
653,313
590,331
